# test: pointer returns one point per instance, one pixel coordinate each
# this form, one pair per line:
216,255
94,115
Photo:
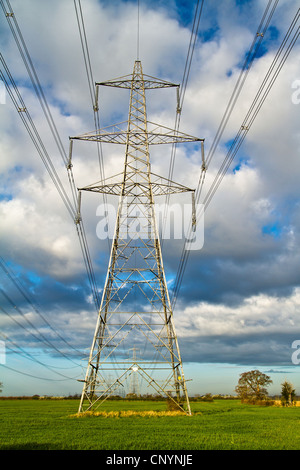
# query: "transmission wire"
21,289
238,140
34,359
187,68
39,92
39,334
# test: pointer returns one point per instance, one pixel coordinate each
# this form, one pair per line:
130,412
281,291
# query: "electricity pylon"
134,386
135,307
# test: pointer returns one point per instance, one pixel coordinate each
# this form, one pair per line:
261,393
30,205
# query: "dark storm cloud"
261,349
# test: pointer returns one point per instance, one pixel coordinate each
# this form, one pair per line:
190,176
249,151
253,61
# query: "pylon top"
148,81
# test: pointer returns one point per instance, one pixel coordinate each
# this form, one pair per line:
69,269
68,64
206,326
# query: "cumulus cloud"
240,292
259,314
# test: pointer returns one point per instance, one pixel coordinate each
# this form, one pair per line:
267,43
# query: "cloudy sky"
239,302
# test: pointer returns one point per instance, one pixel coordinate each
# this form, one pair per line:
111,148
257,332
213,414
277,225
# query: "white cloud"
237,259
256,315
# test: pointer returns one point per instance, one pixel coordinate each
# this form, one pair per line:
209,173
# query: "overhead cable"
181,94
28,122
262,94
20,288
39,335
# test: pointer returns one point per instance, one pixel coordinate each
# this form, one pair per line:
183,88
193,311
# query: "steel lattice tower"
135,307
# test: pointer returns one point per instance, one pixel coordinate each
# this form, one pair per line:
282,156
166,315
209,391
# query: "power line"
268,82
34,376
250,57
192,44
93,94
34,359
36,139
90,78
39,336
247,123
181,93
19,39
233,99
21,289
33,133
15,29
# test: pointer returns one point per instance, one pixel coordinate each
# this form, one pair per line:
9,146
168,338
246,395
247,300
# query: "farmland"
220,425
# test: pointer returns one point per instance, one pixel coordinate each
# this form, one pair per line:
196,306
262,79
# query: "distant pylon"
135,307
134,388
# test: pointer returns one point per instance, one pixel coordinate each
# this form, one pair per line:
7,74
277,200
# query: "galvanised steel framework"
135,307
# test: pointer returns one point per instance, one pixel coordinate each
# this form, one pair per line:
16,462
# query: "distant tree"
1,385
287,393
207,397
252,385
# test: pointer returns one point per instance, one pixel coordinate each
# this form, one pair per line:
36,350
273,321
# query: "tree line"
251,388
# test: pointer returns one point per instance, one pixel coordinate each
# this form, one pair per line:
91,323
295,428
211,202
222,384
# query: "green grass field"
220,425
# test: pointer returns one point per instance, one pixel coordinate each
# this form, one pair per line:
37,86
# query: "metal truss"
156,134
135,308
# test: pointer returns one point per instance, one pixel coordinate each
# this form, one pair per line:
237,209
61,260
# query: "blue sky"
238,307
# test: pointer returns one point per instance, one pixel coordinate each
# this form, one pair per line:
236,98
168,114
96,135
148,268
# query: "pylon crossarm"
156,134
148,82
160,186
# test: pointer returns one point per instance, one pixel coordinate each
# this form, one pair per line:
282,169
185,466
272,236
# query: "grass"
221,425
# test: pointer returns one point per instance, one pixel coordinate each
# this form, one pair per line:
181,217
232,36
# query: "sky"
239,303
